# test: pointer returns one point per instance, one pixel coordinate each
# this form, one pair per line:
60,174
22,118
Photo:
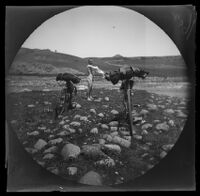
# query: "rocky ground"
91,144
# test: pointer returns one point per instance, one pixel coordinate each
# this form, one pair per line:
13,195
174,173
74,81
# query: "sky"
102,31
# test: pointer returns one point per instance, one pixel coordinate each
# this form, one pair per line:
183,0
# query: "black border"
176,171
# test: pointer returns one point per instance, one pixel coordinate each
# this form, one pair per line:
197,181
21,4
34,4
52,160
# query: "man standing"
90,78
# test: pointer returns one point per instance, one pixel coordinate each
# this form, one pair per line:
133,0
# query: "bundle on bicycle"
66,94
126,74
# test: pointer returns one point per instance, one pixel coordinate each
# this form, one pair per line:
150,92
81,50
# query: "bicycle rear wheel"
130,111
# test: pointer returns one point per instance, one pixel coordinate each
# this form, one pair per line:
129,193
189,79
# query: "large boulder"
92,151
114,112
40,144
55,141
114,123
75,124
162,126
112,148
70,151
146,126
91,178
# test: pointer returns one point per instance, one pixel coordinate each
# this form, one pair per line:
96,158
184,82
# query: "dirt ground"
30,109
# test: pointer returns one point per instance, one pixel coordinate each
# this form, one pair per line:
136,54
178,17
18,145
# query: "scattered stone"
47,131
114,112
105,106
92,151
152,107
135,113
169,111
34,133
171,122
156,121
144,132
66,127
93,111
77,116
42,128
150,166
108,162
113,128
147,126
25,142
63,133
31,150
75,124
70,151
101,115
94,131
144,155
114,133
13,121
40,144
80,130
48,156
46,90
52,149
31,106
107,137
167,147
127,138
113,123
113,147
149,143
62,122
51,136
144,112
42,163
156,132
122,142
104,126
180,114
72,171
98,100
55,171
122,129
102,141
162,126
46,103
161,106
137,118
106,98
55,141
91,178
138,137
83,118
65,117
163,154
78,106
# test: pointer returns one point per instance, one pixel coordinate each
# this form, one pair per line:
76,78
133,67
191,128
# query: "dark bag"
114,77
126,73
68,77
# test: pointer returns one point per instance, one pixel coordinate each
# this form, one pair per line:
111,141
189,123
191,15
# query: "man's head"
90,61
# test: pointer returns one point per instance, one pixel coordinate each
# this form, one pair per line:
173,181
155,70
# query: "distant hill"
46,62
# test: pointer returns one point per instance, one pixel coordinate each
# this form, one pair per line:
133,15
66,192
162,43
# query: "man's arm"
96,68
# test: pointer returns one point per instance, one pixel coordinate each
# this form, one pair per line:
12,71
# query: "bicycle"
65,97
125,75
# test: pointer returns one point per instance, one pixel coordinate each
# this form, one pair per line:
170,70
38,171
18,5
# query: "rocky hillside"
47,62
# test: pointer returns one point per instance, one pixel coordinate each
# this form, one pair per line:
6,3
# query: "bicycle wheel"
130,111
